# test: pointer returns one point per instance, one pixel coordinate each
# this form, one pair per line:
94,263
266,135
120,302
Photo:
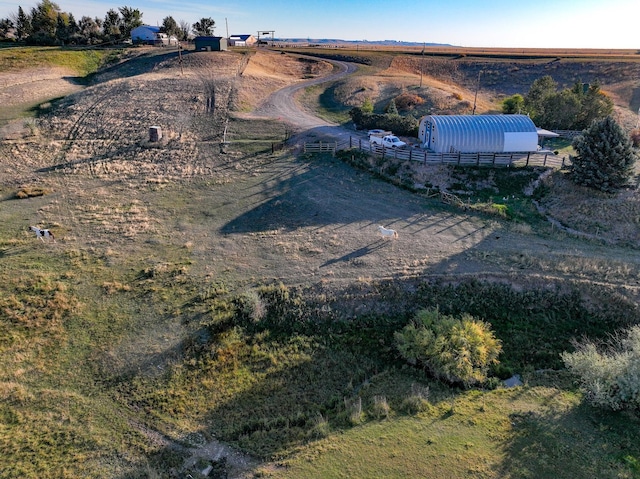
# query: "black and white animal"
387,233
43,234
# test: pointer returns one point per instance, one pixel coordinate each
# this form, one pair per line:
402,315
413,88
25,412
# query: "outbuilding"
150,35
245,40
210,44
478,133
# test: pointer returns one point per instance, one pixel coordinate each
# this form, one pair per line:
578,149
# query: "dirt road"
282,104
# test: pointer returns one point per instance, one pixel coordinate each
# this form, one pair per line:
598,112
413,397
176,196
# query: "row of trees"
573,108
47,24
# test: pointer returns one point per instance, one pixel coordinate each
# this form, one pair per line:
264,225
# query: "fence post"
544,163
528,156
350,138
410,152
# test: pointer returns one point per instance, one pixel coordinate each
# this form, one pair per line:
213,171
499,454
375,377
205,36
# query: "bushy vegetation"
605,157
460,351
610,375
568,109
47,24
400,125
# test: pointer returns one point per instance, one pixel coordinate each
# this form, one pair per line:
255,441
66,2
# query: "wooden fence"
321,147
542,158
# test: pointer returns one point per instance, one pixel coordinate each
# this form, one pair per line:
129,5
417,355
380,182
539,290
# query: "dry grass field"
117,358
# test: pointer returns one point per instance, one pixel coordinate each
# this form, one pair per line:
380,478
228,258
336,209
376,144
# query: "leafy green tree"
62,28
559,111
5,26
513,104
609,377
44,18
89,30
170,27
130,18
605,156
111,25
455,350
539,91
204,27
23,25
594,105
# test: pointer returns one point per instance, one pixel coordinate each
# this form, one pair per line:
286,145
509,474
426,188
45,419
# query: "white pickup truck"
388,141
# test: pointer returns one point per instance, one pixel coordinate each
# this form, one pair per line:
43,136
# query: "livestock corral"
213,304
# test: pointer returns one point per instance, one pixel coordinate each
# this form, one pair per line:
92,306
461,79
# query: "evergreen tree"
367,105
62,30
392,109
606,157
23,25
131,18
111,25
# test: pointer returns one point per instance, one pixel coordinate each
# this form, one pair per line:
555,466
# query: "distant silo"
478,133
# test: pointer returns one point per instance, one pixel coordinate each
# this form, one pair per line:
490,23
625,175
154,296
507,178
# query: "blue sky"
489,23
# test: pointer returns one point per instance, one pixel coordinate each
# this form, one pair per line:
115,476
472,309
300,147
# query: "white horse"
42,233
387,233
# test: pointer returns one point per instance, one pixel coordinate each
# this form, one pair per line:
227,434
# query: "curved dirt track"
282,104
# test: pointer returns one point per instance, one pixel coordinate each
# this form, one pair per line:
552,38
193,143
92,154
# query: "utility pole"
424,45
475,99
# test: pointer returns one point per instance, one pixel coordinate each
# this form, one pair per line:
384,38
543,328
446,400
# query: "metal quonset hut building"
478,133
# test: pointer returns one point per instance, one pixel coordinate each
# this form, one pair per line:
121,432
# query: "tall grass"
81,61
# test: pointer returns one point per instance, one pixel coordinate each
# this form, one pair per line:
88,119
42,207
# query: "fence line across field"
542,158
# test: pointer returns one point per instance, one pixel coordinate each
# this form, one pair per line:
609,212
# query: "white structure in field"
150,35
479,133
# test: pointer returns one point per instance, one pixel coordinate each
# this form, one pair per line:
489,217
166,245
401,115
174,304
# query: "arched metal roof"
478,133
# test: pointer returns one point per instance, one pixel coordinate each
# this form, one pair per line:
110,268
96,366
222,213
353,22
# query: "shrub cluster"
400,125
459,351
609,377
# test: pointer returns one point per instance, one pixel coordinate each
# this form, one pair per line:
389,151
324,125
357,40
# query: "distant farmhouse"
150,35
242,40
210,44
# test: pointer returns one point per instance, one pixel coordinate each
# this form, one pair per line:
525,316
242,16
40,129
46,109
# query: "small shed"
244,40
210,44
478,133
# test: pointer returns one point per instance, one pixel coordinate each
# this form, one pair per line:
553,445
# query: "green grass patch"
321,99
81,61
536,432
